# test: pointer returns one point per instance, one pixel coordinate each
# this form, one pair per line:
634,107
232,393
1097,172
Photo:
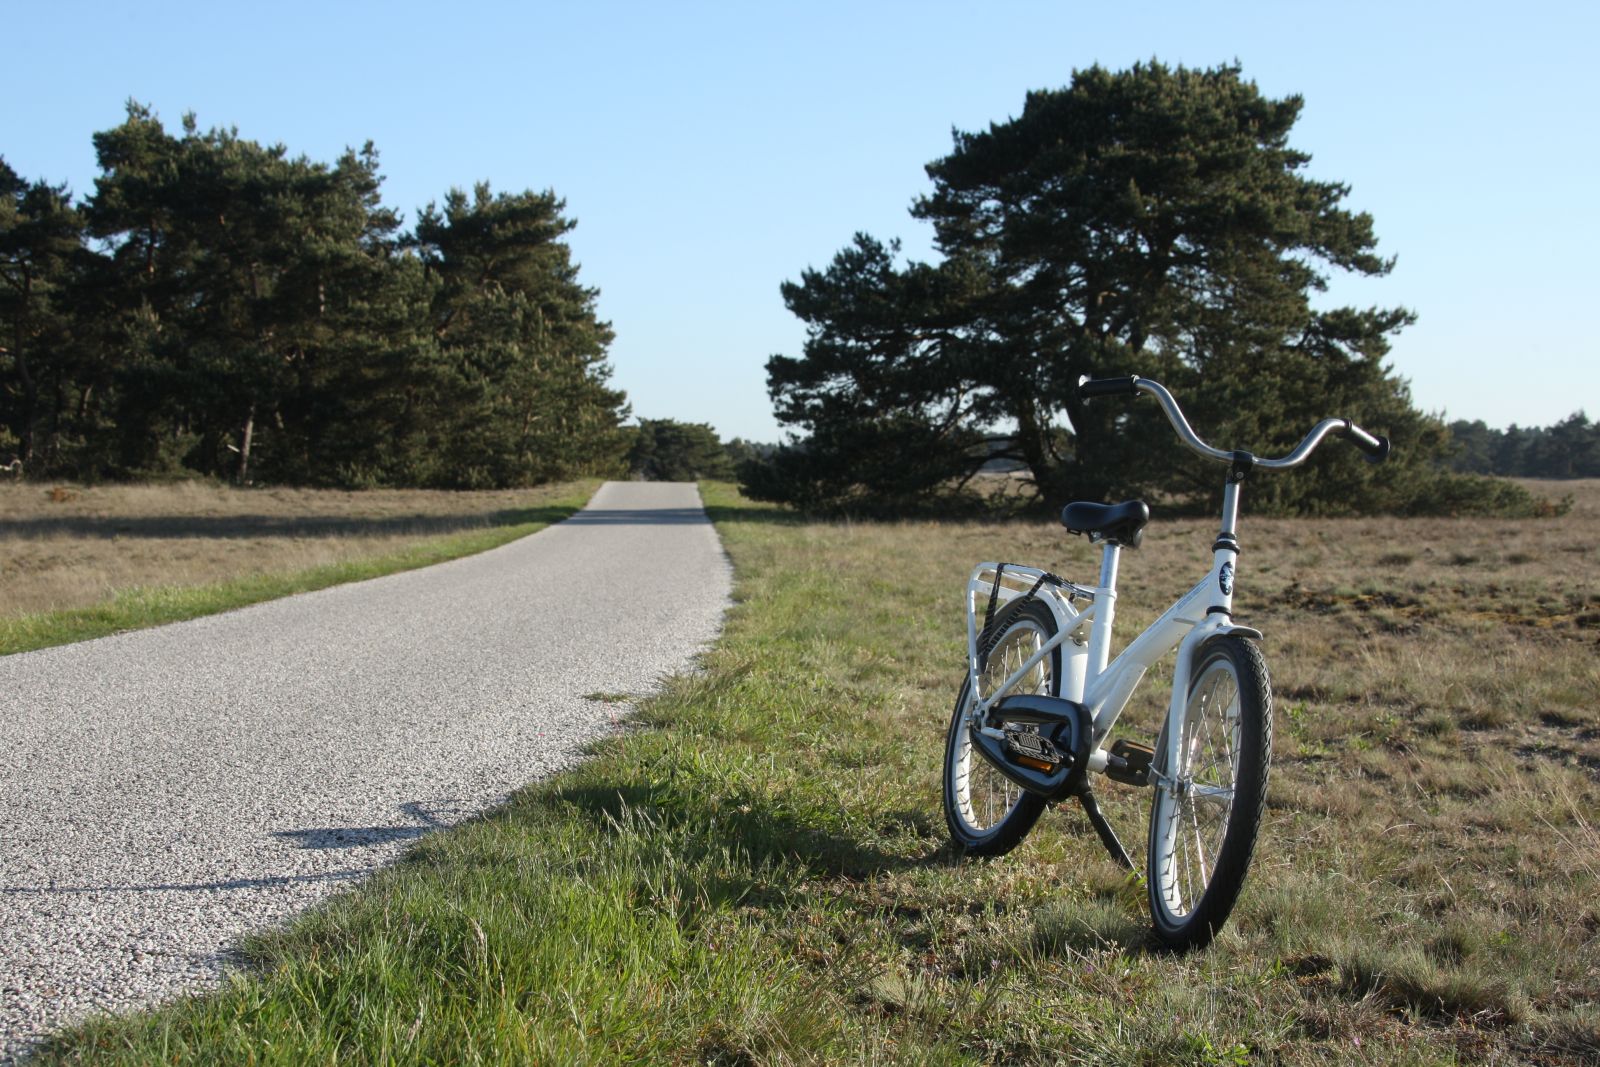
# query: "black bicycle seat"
1121,524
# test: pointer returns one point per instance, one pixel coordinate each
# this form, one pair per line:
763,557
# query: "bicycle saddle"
1122,524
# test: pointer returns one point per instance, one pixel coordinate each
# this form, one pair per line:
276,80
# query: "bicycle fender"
1242,631
1214,625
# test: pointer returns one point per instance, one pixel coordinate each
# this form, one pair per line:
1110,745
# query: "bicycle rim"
984,796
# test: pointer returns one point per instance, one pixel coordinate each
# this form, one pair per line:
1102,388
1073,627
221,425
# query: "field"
759,874
79,561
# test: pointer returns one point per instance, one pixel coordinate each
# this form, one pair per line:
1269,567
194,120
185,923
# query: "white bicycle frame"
1084,636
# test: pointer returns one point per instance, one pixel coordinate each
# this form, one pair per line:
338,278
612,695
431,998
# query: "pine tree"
522,339
1153,221
41,248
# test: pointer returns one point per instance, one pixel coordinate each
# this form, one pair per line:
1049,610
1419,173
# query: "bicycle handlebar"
1376,446
1109,386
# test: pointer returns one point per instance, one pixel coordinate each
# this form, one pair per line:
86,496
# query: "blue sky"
711,151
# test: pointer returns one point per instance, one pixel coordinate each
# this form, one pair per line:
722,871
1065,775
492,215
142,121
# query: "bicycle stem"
1230,513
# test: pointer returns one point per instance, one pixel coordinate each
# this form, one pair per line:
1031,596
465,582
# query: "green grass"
137,608
760,875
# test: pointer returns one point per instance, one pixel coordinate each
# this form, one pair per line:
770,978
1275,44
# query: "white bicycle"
1031,723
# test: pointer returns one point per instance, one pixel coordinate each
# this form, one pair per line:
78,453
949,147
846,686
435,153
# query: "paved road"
165,791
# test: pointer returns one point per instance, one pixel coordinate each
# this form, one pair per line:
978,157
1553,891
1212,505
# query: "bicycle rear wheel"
987,813
1211,787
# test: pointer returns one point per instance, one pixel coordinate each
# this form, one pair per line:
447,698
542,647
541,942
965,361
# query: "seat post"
1105,607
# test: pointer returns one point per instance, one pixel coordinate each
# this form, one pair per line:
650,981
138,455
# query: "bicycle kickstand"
1108,836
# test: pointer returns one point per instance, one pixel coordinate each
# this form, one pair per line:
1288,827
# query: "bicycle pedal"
1031,749
1128,762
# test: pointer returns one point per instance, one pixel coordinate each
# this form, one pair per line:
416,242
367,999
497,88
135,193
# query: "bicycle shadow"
425,818
422,818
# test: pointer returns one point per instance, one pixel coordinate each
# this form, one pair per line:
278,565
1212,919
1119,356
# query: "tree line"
666,450
1152,221
1568,449
218,307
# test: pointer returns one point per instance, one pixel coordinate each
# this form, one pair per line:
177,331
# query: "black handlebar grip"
1376,447
1090,387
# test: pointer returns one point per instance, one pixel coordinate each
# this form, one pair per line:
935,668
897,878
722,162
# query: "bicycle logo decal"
1225,579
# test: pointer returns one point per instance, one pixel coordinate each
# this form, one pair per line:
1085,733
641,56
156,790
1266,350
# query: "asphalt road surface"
165,791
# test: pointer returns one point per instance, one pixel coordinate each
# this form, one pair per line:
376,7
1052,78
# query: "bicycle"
1040,699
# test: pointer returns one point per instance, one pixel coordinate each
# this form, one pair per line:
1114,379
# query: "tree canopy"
1152,221
218,306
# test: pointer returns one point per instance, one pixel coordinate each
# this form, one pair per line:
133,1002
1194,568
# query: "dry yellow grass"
1585,493
67,546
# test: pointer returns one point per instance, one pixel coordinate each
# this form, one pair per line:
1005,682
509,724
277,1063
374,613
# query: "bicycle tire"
1191,898
971,785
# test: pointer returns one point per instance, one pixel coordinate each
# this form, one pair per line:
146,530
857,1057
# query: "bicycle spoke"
1199,848
1190,896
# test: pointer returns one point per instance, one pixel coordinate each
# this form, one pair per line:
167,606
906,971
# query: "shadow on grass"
764,514
759,830
225,527
549,515
764,839
783,516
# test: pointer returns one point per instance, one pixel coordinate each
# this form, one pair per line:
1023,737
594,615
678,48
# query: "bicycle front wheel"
987,813
1211,787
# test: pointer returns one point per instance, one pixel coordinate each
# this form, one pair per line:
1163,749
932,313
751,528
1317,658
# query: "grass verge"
760,875
145,606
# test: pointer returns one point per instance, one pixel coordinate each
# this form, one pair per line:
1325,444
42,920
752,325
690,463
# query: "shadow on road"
326,837
639,517
425,819
263,882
